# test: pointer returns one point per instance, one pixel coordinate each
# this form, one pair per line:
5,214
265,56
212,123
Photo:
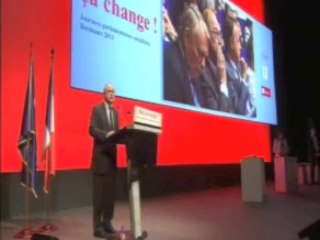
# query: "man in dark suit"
218,91
217,95
184,61
235,64
104,122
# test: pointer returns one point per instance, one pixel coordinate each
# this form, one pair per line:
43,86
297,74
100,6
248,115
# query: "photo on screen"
207,56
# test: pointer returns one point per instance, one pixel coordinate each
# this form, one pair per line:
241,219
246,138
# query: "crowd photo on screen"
208,57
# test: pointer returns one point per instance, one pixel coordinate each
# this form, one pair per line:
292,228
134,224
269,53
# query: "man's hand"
168,26
244,68
221,65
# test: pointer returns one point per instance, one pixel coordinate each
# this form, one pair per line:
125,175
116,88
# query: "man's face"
216,41
196,51
235,43
109,94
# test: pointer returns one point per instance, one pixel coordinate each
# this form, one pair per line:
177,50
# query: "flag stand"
27,231
48,227
26,144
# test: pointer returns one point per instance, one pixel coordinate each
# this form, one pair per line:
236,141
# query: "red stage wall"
188,137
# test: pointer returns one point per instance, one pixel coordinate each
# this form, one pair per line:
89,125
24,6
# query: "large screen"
209,137
143,48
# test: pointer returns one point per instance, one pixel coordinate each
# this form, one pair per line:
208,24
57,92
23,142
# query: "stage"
213,214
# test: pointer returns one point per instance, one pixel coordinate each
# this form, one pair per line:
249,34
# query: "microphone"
124,115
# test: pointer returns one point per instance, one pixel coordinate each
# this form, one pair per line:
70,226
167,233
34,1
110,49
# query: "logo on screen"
266,91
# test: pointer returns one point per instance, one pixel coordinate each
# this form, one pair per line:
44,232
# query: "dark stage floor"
217,214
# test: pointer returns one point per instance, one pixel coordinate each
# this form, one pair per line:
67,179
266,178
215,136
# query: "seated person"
218,91
235,67
185,59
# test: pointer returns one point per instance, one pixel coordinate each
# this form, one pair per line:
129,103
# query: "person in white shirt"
280,145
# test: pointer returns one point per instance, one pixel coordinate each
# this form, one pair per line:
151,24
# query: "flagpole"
27,223
48,227
48,194
27,231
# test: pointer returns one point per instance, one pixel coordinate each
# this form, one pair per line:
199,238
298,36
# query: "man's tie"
111,117
239,79
194,92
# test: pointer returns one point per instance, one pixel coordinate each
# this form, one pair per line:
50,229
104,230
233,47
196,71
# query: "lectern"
286,174
253,179
141,141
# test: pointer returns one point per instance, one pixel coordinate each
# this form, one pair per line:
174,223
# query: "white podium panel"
305,173
286,174
253,179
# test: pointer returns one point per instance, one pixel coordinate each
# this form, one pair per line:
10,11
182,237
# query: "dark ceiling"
296,29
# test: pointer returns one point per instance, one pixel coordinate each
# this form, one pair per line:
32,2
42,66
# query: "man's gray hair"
107,86
192,21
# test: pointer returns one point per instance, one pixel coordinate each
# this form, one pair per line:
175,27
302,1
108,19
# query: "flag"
49,161
28,140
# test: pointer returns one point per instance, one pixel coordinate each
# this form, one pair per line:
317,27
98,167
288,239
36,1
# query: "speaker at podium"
141,141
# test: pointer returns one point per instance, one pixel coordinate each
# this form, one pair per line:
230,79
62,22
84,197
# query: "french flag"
49,159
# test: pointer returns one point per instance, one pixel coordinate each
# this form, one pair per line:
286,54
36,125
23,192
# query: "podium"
141,141
286,174
253,179
305,173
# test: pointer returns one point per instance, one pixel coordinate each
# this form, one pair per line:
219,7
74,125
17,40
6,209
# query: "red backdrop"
188,137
